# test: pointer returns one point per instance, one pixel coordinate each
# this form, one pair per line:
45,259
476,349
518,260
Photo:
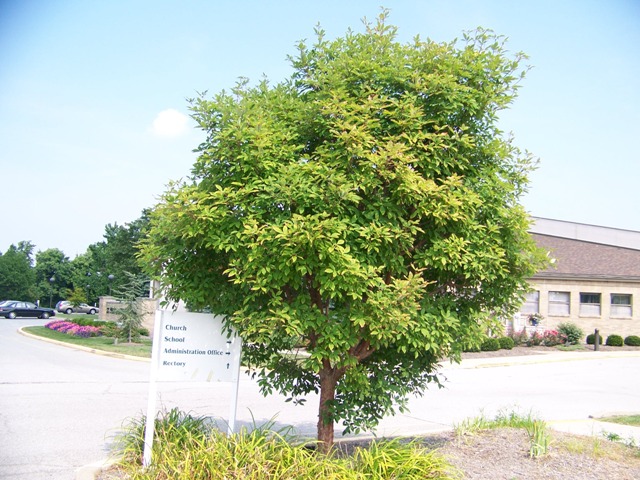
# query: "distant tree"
106,263
132,310
52,264
16,273
367,208
77,296
83,268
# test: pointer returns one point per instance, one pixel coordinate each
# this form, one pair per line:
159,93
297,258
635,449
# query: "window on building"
559,303
620,305
590,304
531,303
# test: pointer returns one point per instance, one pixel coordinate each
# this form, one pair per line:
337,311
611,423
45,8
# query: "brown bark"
328,380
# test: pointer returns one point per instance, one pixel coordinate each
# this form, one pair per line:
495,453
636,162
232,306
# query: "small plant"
539,438
591,339
572,332
506,343
490,345
612,436
519,338
632,341
614,340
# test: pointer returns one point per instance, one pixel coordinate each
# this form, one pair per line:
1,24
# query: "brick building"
594,280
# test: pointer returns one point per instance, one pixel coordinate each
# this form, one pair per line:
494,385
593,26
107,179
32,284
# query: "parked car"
68,307
13,309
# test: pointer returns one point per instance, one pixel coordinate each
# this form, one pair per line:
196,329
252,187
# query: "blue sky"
94,120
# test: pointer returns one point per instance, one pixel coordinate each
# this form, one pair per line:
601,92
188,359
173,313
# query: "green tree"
132,309
367,207
16,273
122,247
52,264
103,270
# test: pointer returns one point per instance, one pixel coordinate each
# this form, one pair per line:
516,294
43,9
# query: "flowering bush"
519,338
551,338
74,329
535,339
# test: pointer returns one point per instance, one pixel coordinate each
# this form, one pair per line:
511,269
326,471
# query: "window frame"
531,303
617,307
587,308
559,308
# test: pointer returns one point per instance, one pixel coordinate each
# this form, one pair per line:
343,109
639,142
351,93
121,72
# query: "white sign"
194,348
190,347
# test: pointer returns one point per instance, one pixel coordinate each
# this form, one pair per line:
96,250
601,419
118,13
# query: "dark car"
13,309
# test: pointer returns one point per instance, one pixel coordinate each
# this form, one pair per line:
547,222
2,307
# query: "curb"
92,470
84,349
471,363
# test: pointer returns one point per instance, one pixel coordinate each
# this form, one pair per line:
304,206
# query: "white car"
68,307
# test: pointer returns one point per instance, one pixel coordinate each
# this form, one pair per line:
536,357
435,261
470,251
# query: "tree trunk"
328,380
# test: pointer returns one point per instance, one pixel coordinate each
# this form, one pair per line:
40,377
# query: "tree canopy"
16,273
366,208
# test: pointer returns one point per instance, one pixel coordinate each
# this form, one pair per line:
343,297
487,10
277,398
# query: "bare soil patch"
503,454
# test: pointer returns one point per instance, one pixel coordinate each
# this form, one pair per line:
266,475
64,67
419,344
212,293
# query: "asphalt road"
60,407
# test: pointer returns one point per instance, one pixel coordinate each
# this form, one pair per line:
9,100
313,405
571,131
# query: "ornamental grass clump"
191,448
70,328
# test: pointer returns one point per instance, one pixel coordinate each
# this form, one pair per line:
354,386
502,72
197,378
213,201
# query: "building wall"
604,322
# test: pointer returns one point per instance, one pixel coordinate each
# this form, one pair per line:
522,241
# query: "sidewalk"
542,357
421,423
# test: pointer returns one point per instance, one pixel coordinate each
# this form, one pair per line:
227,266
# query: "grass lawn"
142,349
633,420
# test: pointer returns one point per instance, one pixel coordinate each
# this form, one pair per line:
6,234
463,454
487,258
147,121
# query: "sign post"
190,347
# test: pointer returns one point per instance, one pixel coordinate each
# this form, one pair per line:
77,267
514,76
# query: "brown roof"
580,259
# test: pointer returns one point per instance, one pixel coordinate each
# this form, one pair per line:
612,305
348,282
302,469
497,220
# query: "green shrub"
88,322
471,348
490,345
591,339
632,341
506,343
614,341
573,333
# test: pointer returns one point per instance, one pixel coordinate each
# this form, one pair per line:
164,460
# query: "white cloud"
169,123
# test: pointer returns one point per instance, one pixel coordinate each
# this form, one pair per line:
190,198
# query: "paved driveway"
59,407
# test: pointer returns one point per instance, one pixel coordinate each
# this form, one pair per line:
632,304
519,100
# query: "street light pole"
110,277
51,280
